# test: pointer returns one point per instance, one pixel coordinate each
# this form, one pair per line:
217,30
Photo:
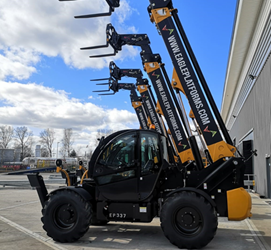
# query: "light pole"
86,153
57,149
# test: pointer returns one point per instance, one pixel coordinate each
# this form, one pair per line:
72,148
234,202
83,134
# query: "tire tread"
81,230
165,217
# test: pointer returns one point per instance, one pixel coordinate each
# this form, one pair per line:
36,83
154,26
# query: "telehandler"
133,176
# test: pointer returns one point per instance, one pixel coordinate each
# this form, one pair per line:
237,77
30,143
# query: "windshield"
120,151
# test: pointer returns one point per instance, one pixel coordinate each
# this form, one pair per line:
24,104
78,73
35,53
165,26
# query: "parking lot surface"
21,228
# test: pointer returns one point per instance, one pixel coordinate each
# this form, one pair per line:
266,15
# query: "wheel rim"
188,221
65,216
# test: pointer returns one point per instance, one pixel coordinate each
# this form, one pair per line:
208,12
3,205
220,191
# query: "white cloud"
95,98
33,30
42,107
17,63
30,29
124,11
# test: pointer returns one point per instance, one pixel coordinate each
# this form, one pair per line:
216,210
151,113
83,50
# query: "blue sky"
45,78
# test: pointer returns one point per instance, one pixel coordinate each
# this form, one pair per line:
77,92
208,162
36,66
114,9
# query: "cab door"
150,164
115,171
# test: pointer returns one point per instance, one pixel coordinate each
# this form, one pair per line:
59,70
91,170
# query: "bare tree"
6,133
100,134
24,140
78,150
44,152
89,154
47,138
28,152
67,141
61,152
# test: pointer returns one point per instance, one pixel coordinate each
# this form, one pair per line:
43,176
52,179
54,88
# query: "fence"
249,182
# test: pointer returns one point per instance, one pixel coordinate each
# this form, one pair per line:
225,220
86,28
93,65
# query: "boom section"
150,107
139,109
169,111
218,148
142,87
136,100
116,41
118,73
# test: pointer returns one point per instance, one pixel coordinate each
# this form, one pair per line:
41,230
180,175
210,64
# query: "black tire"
66,216
188,220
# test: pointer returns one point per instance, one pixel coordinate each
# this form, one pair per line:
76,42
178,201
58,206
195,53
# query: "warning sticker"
142,209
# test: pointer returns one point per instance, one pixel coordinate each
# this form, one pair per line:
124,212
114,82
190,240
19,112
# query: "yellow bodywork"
186,155
158,15
158,108
85,175
59,169
176,83
142,88
220,150
136,104
239,204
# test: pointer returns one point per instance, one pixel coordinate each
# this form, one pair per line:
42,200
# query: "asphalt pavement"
21,227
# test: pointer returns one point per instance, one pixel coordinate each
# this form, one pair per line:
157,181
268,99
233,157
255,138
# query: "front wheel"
188,220
66,216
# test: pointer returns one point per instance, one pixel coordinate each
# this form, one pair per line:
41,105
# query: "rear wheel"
188,220
66,216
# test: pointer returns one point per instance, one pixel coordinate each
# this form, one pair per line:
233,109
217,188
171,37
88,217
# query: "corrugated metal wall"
6,155
256,114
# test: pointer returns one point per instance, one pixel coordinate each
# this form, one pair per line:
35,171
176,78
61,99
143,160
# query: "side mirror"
59,162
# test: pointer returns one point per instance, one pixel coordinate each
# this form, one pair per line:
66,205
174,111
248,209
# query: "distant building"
246,104
17,154
38,151
6,155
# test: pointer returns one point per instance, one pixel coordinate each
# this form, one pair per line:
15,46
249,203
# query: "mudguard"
79,190
198,191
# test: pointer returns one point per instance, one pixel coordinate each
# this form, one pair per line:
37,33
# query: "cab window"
150,153
120,153
117,160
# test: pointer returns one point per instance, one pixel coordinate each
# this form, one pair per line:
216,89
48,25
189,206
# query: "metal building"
6,155
246,103
38,151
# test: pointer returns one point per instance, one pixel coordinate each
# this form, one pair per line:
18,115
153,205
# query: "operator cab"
129,164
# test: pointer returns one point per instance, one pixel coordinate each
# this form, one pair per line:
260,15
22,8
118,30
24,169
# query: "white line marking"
19,205
257,235
47,241
263,200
